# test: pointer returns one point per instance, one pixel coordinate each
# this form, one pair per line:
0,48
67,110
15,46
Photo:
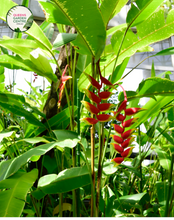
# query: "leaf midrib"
76,28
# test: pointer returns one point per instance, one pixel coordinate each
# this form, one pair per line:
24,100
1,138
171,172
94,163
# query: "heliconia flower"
117,148
62,85
94,82
132,111
91,108
127,142
89,121
105,106
129,122
127,134
120,117
127,152
122,106
117,160
92,96
117,138
105,95
104,117
118,128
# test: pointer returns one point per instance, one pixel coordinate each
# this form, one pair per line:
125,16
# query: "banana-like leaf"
9,167
81,14
152,108
38,58
22,47
15,62
152,30
144,10
109,8
15,188
164,157
67,180
62,39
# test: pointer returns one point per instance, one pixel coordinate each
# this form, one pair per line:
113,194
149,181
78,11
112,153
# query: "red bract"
127,152
89,121
127,134
105,81
94,82
120,117
127,142
117,139
122,106
117,160
118,128
105,106
62,85
104,117
91,108
132,111
129,122
117,148
92,96
104,95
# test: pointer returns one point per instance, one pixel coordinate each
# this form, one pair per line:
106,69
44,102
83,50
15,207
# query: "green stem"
141,181
61,194
99,176
167,213
92,154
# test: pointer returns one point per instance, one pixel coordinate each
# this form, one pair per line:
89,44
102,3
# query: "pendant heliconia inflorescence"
122,139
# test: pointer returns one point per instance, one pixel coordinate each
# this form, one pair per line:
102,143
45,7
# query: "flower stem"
101,137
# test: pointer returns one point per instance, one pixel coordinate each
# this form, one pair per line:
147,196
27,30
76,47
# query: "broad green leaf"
22,47
112,30
22,112
118,72
129,201
108,168
164,158
82,14
109,8
13,197
67,180
5,135
53,13
155,86
15,62
34,140
152,108
42,63
62,39
9,167
162,191
143,12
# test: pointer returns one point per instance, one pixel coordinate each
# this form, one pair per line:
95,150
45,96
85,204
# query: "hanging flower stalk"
99,108
124,138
